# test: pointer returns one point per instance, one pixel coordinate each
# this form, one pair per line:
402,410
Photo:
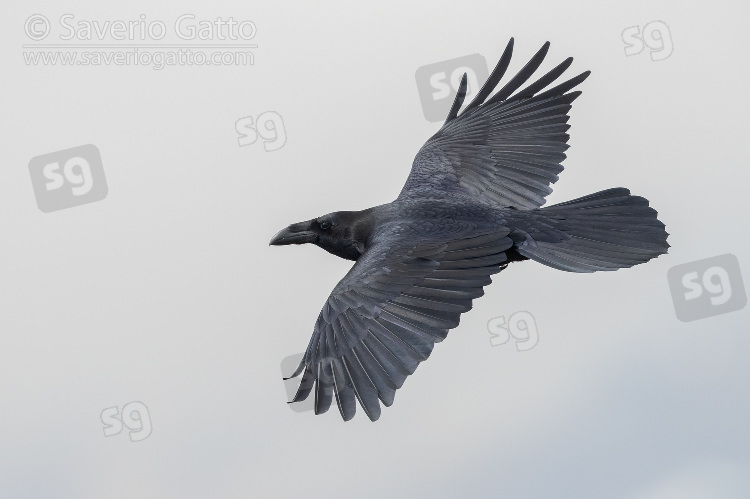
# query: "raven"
470,206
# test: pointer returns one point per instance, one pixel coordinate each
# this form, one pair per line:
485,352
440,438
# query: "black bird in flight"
470,206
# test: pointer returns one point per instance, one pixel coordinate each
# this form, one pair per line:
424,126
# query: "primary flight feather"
470,206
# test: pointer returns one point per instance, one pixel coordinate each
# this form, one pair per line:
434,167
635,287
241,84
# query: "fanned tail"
608,230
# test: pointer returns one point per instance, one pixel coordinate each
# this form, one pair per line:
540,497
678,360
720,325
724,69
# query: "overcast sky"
162,298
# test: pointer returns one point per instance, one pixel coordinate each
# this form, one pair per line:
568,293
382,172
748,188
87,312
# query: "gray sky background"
166,291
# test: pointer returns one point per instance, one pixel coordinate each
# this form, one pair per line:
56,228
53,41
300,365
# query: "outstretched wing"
505,151
399,299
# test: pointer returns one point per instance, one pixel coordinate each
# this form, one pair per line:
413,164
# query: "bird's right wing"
506,151
400,298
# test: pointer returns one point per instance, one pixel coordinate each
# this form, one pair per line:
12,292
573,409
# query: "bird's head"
342,233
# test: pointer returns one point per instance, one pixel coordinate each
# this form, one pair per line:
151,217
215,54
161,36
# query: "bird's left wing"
384,317
504,149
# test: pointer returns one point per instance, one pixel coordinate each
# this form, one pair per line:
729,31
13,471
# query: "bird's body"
470,206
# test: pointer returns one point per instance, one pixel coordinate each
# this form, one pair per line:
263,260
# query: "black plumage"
470,206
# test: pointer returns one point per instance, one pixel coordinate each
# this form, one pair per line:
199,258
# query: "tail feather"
607,230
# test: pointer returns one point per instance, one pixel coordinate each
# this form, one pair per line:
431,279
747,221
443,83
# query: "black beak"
294,234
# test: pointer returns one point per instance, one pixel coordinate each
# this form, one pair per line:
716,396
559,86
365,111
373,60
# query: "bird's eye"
325,225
